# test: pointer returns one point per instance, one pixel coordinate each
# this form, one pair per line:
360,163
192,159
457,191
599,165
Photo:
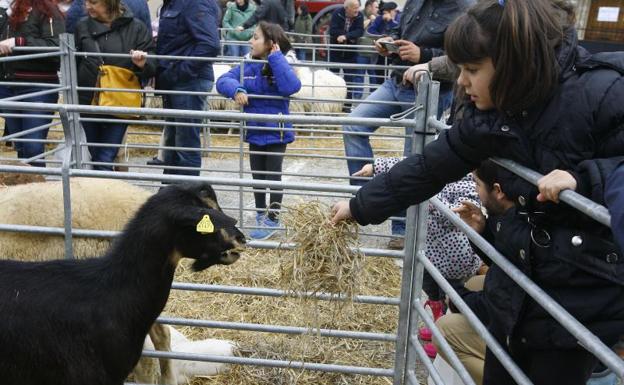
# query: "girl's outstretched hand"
551,185
340,212
367,170
472,215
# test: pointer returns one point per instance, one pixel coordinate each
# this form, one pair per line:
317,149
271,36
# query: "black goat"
83,322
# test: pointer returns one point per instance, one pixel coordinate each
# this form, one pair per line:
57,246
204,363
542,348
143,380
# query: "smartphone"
390,46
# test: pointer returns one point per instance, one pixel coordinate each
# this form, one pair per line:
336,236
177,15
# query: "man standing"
187,28
418,38
347,27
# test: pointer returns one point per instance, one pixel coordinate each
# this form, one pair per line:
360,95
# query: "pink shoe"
431,350
425,334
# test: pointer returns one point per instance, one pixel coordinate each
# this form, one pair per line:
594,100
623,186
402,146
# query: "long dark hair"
273,33
520,36
21,8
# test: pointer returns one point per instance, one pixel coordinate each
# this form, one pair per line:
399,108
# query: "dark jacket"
337,28
77,11
284,82
303,25
582,121
381,27
125,33
272,11
423,22
36,31
614,197
187,28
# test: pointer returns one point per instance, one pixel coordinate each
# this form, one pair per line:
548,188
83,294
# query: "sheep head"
203,231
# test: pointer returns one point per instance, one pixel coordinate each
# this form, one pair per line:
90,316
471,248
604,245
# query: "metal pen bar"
422,356
7,59
278,329
267,292
29,131
33,94
271,363
327,120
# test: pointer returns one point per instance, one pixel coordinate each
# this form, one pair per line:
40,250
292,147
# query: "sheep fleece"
97,204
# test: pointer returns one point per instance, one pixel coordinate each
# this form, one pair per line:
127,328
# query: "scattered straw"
322,260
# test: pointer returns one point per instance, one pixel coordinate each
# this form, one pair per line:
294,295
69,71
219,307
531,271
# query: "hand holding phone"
390,46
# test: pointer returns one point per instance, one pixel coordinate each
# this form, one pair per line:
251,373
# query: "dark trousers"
185,136
267,162
431,288
97,132
543,367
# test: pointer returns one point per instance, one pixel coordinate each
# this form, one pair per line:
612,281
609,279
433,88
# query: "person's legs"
257,162
359,145
30,149
108,133
92,133
11,125
301,54
243,50
233,50
445,100
188,136
274,164
355,77
465,342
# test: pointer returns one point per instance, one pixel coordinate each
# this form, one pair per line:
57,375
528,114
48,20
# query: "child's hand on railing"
551,185
241,99
413,74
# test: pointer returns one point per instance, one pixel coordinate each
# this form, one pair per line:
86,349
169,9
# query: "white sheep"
184,370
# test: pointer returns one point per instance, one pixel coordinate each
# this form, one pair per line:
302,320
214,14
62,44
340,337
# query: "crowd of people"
517,85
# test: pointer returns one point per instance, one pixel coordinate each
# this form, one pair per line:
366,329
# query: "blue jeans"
185,136
301,53
97,132
359,145
27,150
237,50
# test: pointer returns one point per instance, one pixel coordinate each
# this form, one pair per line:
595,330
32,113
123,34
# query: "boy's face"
493,199
476,78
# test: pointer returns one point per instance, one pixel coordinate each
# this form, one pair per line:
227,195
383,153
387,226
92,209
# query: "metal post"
241,160
69,80
66,159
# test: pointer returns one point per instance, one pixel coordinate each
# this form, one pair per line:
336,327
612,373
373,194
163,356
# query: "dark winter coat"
337,28
614,197
36,31
284,82
187,28
423,22
582,121
125,33
271,11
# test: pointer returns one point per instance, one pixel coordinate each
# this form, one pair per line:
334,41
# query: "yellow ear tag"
205,226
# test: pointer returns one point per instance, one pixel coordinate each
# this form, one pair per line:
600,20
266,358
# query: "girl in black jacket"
110,28
536,97
32,23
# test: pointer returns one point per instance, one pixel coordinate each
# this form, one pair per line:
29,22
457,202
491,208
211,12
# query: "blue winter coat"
187,28
284,82
381,27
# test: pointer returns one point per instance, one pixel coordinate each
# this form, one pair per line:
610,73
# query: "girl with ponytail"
534,96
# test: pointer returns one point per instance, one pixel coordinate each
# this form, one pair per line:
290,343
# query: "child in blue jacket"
266,146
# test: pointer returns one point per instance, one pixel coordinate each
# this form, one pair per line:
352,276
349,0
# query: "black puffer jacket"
581,130
36,31
125,33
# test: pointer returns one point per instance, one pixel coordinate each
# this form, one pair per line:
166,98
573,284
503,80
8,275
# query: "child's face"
259,46
476,79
